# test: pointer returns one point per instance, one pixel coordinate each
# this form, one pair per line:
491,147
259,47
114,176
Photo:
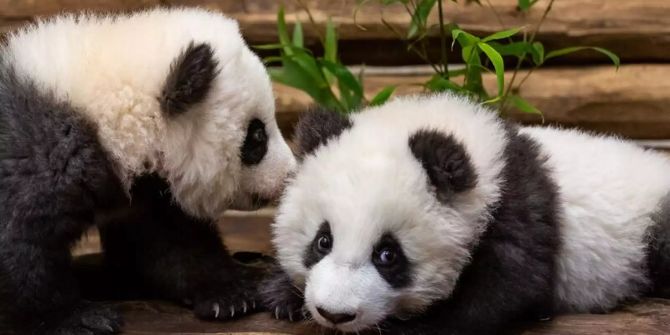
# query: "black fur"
315,128
255,144
510,276
398,274
176,256
283,299
190,79
54,176
312,254
658,259
446,162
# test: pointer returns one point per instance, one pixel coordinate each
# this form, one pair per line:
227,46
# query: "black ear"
190,78
446,162
316,127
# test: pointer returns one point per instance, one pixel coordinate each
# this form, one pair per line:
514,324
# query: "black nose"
335,318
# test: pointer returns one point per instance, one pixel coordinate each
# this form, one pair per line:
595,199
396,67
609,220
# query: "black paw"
89,319
283,300
229,301
287,310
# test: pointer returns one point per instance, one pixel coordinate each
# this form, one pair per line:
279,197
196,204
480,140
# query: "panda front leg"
42,296
178,257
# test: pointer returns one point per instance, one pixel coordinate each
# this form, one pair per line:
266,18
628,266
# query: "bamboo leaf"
498,65
282,31
298,39
502,34
383,96
464,38
523,105
420,17
562,52
330,42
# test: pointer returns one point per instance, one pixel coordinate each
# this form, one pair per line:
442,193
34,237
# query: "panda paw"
231,301
89,319
289,311
283,300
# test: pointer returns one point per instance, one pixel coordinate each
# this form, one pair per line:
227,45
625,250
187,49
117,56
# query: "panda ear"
316,127
446,162
190,79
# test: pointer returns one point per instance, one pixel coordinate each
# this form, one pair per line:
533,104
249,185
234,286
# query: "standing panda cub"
430,215
164,110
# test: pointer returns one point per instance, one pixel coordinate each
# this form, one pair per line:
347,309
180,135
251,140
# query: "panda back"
610,191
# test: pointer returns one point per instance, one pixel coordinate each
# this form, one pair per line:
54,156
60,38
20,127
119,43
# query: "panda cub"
101,115
430,215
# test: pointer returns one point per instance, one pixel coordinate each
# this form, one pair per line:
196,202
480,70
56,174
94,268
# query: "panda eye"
386,256
259,135
320,246
324,243
255,144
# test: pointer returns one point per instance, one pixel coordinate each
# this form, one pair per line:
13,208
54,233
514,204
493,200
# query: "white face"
360,227
228,151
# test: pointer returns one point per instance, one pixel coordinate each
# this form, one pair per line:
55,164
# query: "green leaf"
524,105
351,91
517,49
502,34
440,84
420,17
383,96
561,52
525,5
464,38
537,53
498,65
294,75
282,31
330,42
272,59
298,39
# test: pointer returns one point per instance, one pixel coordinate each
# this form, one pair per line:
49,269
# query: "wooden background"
579,90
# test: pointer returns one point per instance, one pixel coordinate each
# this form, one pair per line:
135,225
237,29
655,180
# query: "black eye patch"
255,144
390,261
320,246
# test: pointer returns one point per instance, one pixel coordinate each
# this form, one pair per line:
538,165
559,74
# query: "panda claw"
244,307
216,309
277,312
253,304
232,311
290,315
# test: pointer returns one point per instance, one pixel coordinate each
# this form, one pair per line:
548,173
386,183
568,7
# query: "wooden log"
638,30
633,102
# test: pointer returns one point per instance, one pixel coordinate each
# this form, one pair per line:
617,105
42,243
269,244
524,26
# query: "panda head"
222,147
383,212
173,91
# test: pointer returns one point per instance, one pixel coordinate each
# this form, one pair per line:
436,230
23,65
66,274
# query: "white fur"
112,68
366,183
609,189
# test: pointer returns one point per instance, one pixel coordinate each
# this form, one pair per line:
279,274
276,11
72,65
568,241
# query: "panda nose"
335,318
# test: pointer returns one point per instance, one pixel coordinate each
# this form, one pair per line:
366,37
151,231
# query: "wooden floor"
251,232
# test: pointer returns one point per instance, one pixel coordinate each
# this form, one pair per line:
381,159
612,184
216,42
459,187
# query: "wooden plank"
251,232
638,30
650,317
633,102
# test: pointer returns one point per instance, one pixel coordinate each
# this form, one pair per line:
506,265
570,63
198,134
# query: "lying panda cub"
89,104
430,215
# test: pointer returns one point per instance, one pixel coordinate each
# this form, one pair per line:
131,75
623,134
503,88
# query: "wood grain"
638,30
633,102
250,232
